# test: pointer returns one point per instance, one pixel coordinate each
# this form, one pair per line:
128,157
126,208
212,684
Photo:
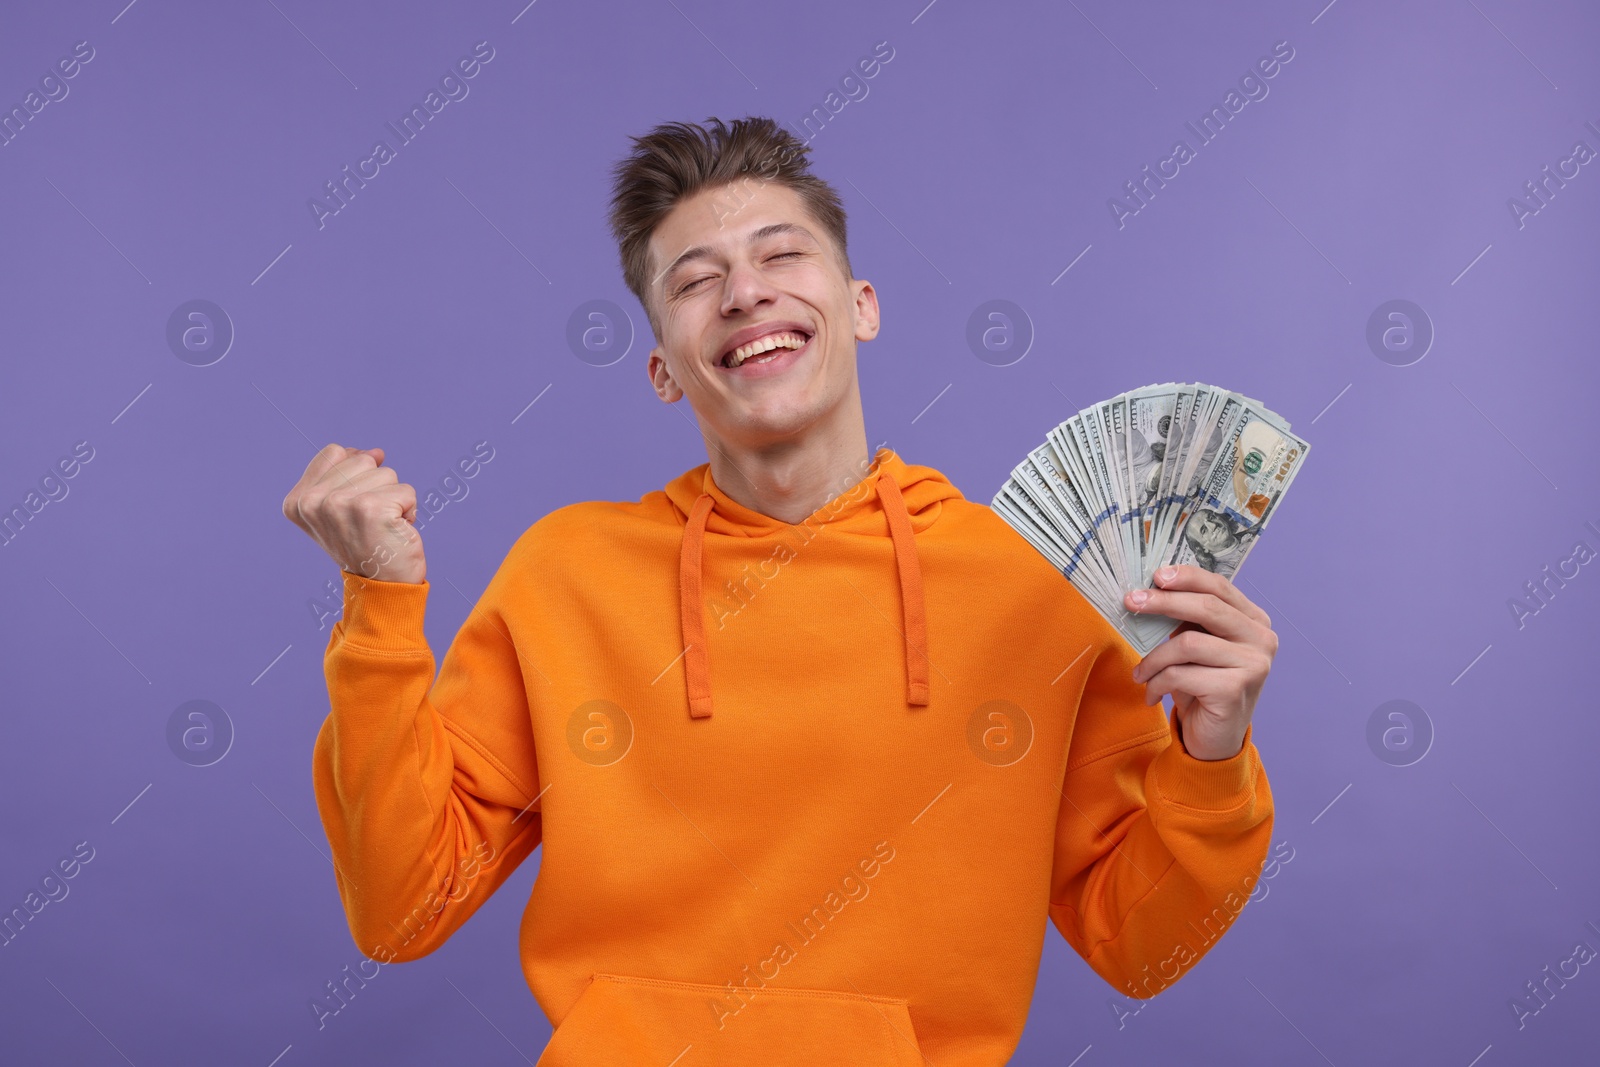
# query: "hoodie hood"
894,499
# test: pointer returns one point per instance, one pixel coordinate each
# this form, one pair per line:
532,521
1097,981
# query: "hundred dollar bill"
1238,494
1014,504
1042,476
1095,447
1150,414
1219,411
1071,445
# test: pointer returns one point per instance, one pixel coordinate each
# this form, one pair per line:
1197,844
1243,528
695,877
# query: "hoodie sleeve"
428,790
1156,852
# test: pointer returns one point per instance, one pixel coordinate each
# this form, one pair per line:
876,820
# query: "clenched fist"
361,514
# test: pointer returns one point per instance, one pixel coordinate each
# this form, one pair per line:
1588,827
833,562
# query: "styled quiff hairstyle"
675,160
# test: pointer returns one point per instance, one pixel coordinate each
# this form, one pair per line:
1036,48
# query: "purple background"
433,309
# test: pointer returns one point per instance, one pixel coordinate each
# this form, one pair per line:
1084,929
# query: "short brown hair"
677,159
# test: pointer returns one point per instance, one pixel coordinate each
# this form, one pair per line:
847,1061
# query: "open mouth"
778,348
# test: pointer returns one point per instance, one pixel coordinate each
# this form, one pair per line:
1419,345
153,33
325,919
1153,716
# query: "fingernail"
1139,596
1166,574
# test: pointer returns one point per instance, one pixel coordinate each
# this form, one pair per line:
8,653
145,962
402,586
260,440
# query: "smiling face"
734,265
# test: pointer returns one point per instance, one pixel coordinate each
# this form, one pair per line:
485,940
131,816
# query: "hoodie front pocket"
621,1020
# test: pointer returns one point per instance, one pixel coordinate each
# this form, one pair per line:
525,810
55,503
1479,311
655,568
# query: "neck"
790,480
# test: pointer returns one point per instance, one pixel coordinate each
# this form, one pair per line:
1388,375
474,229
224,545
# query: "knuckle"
366,506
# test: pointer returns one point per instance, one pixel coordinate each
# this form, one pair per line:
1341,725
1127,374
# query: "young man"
813,744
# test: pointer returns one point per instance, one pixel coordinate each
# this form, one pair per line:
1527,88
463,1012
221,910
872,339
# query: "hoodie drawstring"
911,607
697,666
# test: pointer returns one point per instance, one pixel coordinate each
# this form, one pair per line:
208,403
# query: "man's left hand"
1214,665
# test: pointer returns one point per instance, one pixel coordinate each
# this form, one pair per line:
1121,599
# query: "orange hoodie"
806,792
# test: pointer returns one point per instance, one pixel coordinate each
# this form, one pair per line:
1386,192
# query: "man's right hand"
360,513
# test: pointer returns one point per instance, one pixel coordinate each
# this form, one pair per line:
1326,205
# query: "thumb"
375,453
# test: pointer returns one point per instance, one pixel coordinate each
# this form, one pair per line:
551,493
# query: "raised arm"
428,790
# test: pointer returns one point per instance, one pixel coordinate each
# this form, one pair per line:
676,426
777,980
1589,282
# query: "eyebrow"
699,252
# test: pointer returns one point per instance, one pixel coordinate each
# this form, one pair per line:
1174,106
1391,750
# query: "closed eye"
689,286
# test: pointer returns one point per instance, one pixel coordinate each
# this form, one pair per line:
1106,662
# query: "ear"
661,378
866,310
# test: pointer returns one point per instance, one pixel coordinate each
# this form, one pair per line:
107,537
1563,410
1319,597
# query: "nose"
746,288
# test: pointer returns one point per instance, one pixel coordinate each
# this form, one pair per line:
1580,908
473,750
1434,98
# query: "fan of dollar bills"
1170,473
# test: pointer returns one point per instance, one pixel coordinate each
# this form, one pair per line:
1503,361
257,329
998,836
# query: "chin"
770,422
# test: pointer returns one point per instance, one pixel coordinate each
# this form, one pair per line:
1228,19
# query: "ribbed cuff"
384,616
1213,785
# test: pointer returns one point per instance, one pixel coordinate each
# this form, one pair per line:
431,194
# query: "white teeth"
764,344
